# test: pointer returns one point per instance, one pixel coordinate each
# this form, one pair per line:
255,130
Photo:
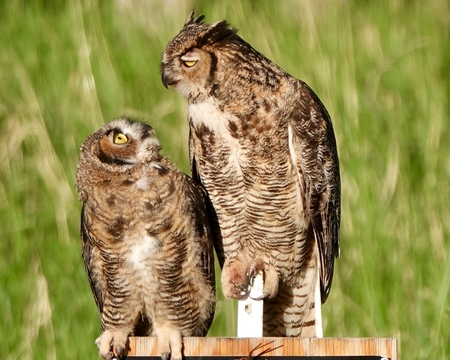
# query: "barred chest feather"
210,123
263,198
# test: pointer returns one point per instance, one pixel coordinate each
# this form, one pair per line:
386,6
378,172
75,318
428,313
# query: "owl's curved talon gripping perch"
238,276
270,278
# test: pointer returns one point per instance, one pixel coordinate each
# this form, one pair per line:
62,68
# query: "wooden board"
286,347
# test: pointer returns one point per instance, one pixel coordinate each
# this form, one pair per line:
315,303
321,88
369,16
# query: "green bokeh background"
382,68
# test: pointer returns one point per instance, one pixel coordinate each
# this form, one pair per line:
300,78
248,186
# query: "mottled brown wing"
89,260
197,196
212,216
315,151
199,219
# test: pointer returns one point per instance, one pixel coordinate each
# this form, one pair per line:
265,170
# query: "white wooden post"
250,312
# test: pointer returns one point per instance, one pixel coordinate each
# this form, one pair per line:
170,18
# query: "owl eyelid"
189,60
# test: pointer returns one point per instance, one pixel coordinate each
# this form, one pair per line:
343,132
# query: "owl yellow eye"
120,138
190,63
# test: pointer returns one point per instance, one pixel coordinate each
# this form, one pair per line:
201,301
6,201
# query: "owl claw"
165,355
254,268
112,344
238,277
270,278
120,351
170,342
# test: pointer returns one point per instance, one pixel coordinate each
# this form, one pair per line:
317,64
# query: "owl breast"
142,248
206,114
254,185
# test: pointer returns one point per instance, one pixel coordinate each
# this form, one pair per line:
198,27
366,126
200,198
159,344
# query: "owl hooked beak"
167,81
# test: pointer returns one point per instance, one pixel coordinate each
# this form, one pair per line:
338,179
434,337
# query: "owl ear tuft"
191,19
219,31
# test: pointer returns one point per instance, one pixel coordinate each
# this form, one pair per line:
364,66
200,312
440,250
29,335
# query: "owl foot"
270,278
170,343
237,277
235,281
112,344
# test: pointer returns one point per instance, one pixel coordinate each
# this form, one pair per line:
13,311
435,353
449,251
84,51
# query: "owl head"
192,57
121,143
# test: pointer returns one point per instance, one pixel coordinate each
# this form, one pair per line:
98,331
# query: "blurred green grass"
383,71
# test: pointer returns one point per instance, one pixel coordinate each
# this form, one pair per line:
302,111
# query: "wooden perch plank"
241,347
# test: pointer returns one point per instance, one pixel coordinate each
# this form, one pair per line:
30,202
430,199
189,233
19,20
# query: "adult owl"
146,240
263,147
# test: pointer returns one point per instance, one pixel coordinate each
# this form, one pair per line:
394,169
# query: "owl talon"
254,268
170,342
120,351
112,344
270,278
165,355
262,297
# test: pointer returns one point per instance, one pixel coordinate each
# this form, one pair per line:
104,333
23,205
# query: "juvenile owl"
263,147
146,239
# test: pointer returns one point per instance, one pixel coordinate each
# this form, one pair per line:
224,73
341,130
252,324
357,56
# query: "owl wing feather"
314,148
212,216
198,196
89,260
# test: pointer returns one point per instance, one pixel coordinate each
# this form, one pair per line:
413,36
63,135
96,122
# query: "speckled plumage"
146,238
262,145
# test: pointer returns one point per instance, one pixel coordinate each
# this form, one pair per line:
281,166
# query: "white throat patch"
208,113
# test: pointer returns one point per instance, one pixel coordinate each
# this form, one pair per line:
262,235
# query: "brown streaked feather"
89,262
212,215
201,222
315,146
